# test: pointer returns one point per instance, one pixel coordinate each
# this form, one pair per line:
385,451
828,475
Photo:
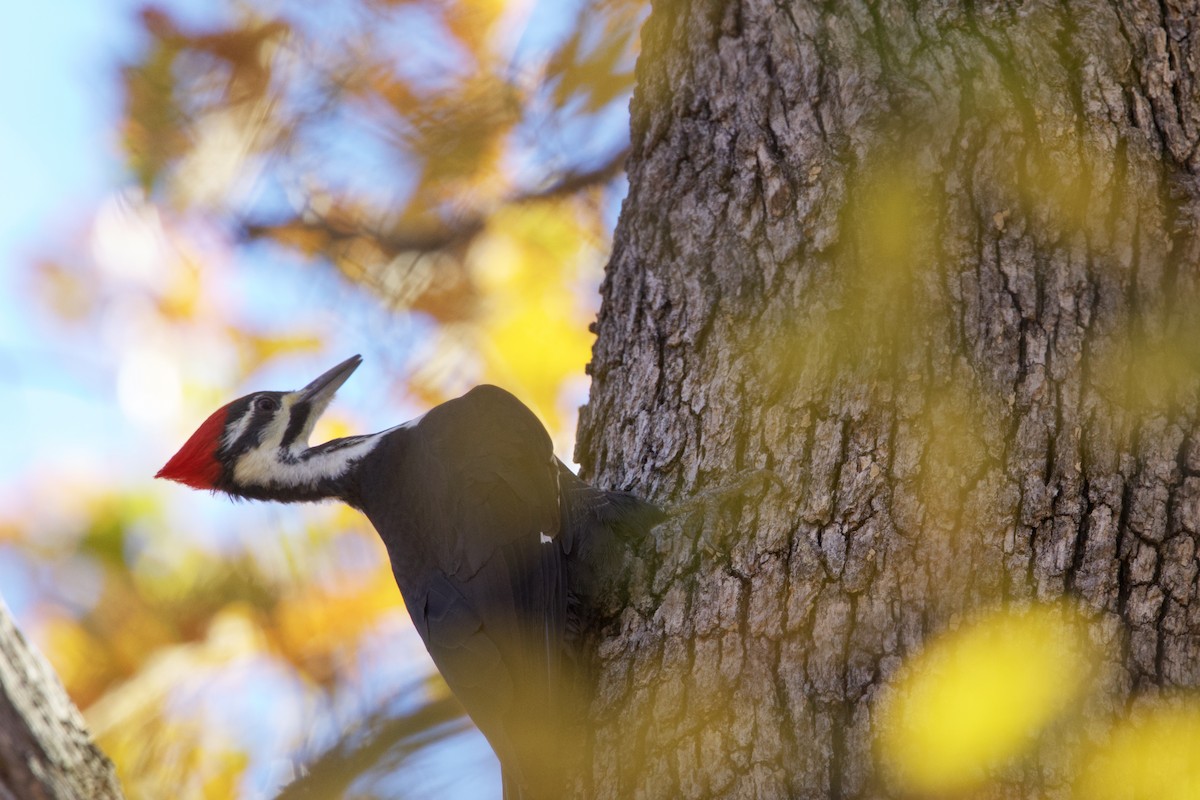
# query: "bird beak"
318,393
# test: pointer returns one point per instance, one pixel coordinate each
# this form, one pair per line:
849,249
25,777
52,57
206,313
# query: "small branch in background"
573,182
313,231
394,738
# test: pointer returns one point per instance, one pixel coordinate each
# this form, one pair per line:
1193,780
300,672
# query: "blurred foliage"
454,163
977,698
419,148
1152,754
985,698
175,650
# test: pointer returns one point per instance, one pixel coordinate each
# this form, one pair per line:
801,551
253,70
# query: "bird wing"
497,463
479,519
503,659
494,611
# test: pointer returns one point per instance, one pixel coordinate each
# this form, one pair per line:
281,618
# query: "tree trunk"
899,317
46,752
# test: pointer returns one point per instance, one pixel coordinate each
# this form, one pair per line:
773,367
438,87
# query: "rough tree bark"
910,258
46,752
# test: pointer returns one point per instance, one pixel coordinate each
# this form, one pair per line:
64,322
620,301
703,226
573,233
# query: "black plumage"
481,549
488,596
487,535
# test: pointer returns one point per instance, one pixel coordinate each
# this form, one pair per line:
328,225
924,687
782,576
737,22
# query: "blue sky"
57,158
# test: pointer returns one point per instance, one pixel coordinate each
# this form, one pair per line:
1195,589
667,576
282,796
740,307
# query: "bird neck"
302,475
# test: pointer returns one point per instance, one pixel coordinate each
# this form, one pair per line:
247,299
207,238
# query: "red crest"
196,462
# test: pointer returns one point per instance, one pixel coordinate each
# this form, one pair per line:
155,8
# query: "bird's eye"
266,404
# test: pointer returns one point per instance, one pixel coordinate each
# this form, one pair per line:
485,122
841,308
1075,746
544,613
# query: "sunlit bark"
46,752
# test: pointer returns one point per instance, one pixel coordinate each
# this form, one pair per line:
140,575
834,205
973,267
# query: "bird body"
480,522
488,593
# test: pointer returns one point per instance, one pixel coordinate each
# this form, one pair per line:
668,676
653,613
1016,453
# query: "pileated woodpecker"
485,530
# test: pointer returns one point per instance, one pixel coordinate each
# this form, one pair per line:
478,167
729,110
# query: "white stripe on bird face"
235,433
270,464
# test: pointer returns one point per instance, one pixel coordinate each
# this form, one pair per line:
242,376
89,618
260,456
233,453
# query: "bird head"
257,441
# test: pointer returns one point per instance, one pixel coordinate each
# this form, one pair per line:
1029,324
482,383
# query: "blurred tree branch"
380,737
377,157
46,752
331,230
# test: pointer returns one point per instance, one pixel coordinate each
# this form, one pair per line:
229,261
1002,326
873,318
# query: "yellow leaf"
977,698
533,327
1154,755
82,662
316,624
